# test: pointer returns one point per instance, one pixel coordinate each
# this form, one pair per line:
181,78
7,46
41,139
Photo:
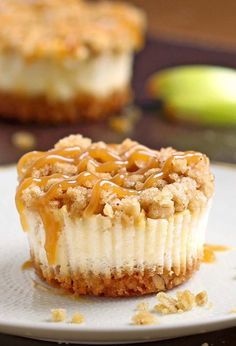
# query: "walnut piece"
201,298
184,301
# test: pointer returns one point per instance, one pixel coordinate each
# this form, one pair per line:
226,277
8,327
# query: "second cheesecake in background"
61,61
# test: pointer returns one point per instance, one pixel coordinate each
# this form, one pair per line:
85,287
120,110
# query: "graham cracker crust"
40,110
118,285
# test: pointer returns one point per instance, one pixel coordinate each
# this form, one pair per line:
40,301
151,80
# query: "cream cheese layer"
62,80
101,245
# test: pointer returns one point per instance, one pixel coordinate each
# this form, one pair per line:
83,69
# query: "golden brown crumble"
77,318
201,298
167,305
184,301
143,306
58,315
144,318
187,186
73,28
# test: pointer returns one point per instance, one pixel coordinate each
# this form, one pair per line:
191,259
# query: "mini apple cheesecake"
66,60
114,219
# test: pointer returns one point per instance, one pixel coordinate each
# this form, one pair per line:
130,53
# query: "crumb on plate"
58,315
201,298
184,301
144,318
77,318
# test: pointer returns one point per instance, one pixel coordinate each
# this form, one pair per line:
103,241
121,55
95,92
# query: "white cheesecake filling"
65,79
98,245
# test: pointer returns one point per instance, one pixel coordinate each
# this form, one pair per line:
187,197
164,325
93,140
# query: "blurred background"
179,33
205,23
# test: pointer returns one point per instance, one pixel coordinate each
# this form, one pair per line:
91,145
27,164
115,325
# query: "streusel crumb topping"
114,179
74,28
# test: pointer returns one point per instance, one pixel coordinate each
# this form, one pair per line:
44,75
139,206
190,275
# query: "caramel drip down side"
52,225
209,255
40,182
138,160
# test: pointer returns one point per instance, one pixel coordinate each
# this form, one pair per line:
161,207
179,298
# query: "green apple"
197,93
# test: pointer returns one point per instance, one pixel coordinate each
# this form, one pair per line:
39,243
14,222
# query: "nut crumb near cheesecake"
144,318
58,315
77,318
114,219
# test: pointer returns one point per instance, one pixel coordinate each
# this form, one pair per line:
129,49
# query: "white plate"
25,310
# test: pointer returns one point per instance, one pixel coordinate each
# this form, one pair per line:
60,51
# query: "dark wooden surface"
153,130
203,22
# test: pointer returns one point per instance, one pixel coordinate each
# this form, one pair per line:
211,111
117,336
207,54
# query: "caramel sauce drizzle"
137,160
27,265
208,255
105,185
190,157
209,250
140,156
40,159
